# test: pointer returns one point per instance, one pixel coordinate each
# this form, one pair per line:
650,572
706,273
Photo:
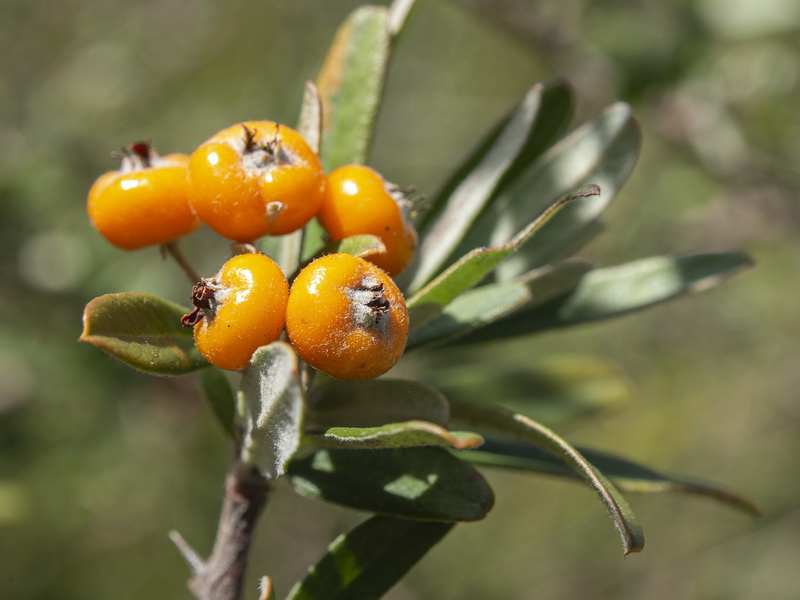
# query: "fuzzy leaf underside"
271,406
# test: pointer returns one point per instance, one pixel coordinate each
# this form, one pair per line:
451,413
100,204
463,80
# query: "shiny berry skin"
358,201
254,179
239,310
347,318
145,202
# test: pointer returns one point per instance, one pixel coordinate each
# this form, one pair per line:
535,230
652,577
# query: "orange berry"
347,318
358,201
239,310
145,202
256,178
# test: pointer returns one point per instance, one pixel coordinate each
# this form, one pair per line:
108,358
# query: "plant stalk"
221,577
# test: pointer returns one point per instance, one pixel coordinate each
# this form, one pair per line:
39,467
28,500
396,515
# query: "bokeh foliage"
97,461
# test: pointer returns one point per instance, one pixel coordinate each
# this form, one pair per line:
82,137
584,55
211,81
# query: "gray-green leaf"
271,406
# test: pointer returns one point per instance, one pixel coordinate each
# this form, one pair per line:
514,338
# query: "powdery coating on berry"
347,318
256,178
246,310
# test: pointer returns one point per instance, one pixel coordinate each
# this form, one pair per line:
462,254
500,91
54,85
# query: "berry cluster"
344,315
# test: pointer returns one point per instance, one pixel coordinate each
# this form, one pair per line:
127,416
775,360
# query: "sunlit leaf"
409,434
415,483
351,84
600,152
555,109
475,189
613,291
499,421
374,403
627,475
367,561
475,265
271,403
143,331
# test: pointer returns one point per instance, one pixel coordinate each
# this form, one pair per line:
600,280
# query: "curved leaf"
351,83
143,331
374,403
519,427
613,291
271,405
627,475
410,434
414,483
367,561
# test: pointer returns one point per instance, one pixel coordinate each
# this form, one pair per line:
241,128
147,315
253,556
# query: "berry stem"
221,577
175,252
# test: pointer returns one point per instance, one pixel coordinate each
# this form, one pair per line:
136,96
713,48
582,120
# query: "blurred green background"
98,462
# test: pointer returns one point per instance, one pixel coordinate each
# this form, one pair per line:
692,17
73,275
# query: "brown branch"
221,577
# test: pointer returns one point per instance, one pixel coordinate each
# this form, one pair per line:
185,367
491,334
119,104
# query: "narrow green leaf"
374,403
474,266
271,406
220,396
614,291
557,390
500,421
351,83
143,331
470,311
627,475
414,483
409,434
554,113
366,562
470,196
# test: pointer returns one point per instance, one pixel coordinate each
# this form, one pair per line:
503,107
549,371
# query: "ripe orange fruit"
145,202
347,318
256,178
358,201
239,310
